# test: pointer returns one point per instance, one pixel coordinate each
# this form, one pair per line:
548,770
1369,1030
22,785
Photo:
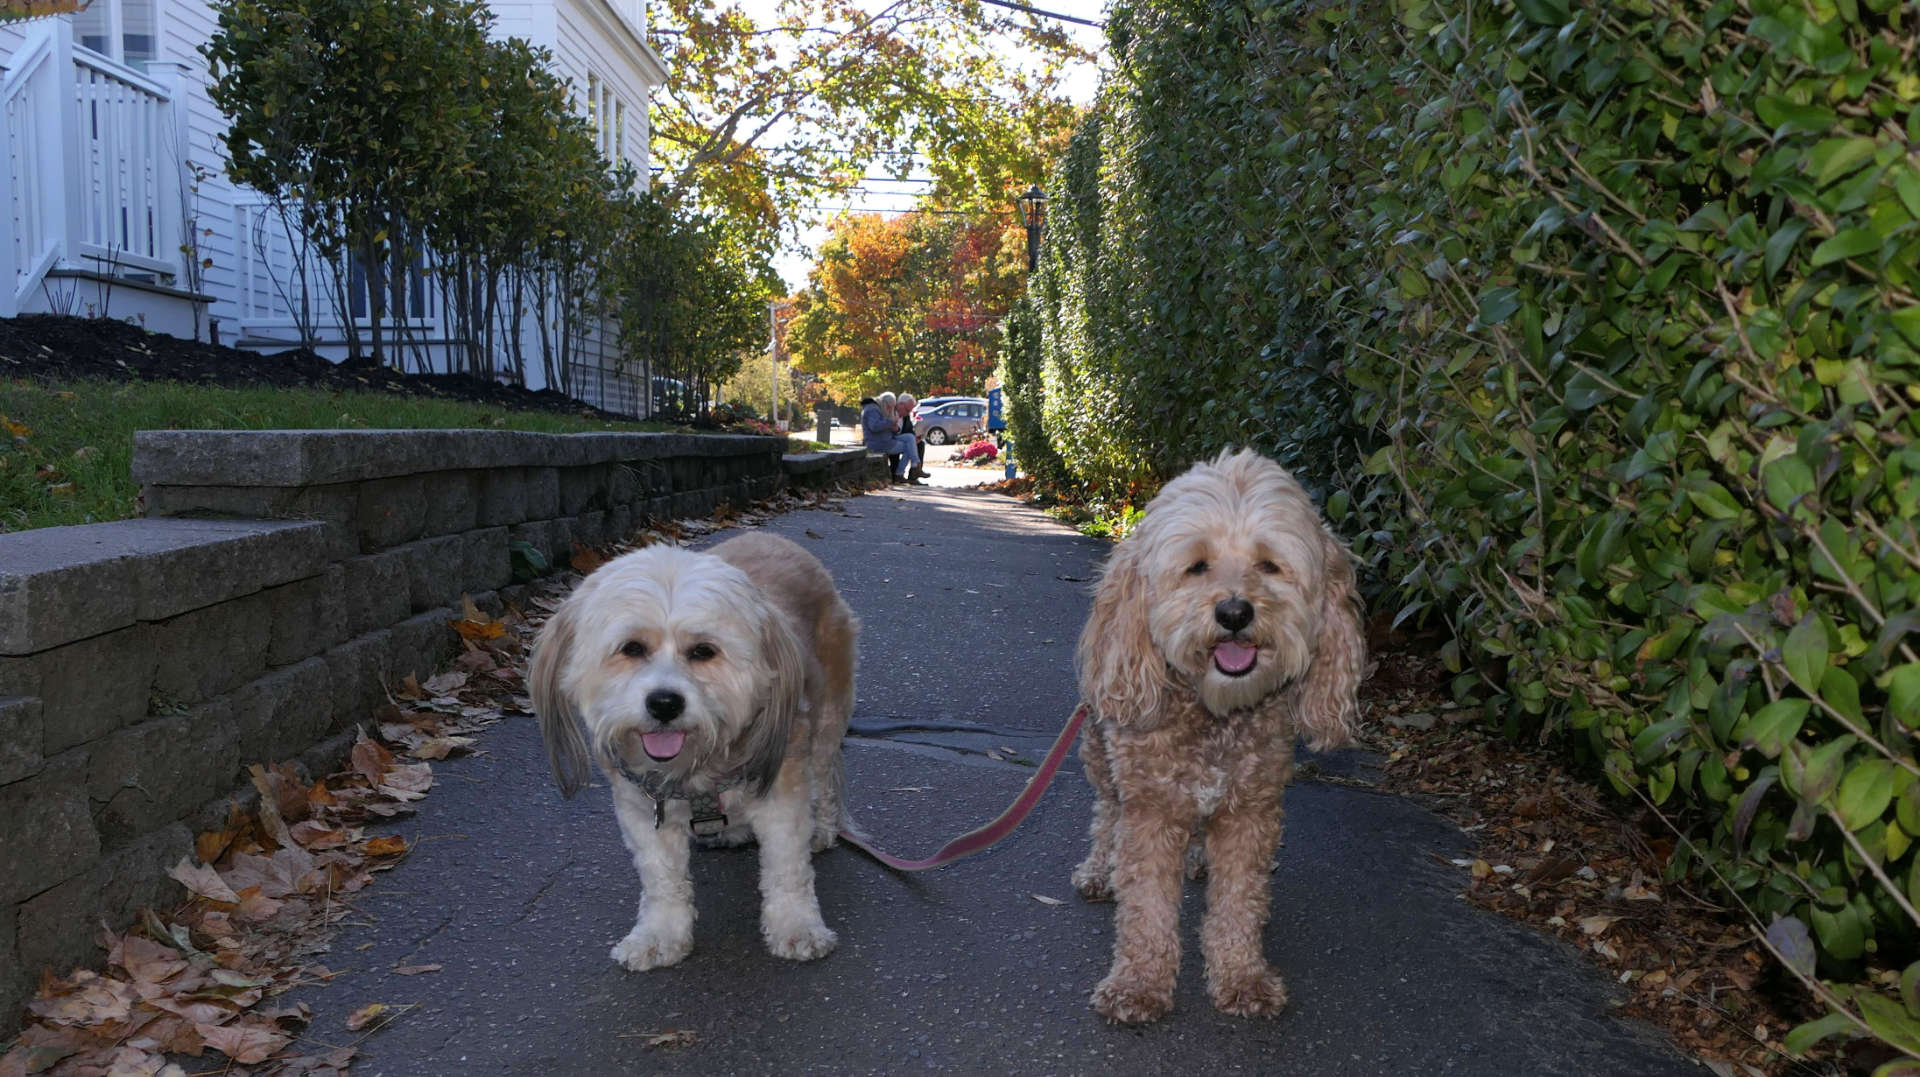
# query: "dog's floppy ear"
559,724
1122,675
1329,699
762,747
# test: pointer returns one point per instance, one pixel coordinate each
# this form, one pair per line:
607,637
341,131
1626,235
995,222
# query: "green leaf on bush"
1805,1036
1713,499
1888,1019
1835,157
1787,480
1652,742
1865,792
1805,653
1851,243
1841,933
1769,729
1903,695
1545,12
1585,392
1820,774
1498,305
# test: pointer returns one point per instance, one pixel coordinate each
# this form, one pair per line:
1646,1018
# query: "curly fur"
1186,744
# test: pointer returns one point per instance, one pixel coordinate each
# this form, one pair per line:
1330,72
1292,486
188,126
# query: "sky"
890,195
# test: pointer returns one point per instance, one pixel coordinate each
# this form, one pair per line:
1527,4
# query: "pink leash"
975,840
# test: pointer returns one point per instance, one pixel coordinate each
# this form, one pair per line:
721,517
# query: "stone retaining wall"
279,580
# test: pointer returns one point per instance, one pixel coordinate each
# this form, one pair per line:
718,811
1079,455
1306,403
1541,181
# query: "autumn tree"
766,117
910,303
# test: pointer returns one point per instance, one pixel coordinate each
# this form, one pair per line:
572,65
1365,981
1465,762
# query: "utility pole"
773,359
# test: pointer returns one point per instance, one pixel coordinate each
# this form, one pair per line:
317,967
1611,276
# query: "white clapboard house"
114,156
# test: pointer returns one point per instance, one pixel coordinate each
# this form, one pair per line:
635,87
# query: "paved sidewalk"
970,604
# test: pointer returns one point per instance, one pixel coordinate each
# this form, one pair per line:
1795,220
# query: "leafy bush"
1627,293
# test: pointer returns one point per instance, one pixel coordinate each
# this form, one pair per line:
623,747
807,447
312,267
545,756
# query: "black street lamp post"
1033,212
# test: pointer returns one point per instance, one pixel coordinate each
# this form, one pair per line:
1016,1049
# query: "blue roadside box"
996,414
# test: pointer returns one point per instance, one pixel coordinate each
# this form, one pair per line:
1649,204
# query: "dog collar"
706,819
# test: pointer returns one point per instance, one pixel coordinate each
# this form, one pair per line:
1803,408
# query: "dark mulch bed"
57,348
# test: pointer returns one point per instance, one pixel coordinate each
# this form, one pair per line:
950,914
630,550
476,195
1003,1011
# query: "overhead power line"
1046,14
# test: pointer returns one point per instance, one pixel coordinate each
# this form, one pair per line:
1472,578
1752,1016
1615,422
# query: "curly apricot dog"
1223,626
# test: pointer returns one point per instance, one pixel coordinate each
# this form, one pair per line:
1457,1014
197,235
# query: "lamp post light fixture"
1033,212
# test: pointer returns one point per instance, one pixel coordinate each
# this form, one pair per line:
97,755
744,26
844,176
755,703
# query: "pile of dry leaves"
264,889
1587,866
267,887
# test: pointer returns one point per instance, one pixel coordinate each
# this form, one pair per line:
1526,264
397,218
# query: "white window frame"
116,32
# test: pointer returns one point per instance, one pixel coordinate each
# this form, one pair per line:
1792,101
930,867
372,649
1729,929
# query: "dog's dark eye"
1268,567
1198,568
633,648
702,652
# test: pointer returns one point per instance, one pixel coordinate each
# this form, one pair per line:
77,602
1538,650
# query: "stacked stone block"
279,582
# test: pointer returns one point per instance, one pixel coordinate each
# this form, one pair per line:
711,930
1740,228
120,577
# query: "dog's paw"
646,948
1261,995
824,838
1130,1003
1093,883
802,942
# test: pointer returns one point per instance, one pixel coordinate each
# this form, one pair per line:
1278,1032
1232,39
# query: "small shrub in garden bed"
983,449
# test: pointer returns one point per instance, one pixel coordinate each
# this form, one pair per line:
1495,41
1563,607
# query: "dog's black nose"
1233,613
665,706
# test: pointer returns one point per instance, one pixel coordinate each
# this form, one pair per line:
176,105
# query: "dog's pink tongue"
663,743
1232,656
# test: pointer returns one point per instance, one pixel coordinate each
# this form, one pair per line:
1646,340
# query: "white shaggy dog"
714,689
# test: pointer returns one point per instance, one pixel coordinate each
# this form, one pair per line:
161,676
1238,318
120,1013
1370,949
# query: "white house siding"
184,26
594,38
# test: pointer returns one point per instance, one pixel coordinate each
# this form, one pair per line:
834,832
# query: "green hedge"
1626,293
1170,327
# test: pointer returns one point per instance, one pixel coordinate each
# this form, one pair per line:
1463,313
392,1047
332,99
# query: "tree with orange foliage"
913,302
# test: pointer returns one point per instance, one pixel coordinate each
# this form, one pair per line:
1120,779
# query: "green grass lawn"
66,450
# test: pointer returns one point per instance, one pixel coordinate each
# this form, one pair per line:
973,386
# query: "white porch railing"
129,168
32,210
91,177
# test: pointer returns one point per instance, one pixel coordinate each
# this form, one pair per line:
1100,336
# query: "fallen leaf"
480,630
359,1018
445,684
812,534
245,1041
386,845
439,747
415,970
204,882
146,961
370,758
585,559
1597,925
673,1037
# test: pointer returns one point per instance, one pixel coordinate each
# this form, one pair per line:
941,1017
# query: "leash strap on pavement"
975,840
